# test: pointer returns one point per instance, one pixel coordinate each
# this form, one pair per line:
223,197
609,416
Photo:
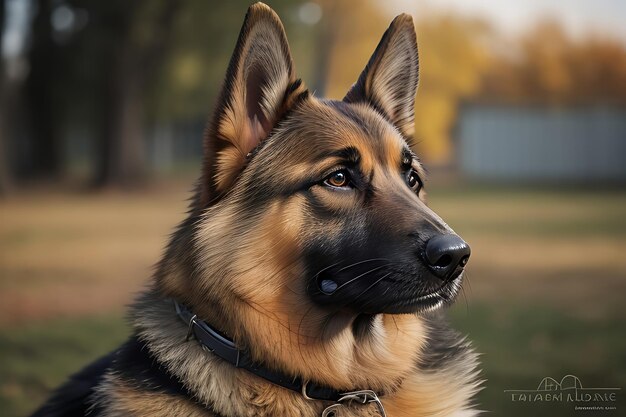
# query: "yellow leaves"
357,33
553,68
435,114
188,71
451,54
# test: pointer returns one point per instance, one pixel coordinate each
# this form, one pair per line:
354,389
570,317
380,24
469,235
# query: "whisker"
467,280
362,262
371,286
348,266
361,276
326,268
465,299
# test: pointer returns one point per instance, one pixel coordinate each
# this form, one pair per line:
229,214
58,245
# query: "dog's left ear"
260,87
389,81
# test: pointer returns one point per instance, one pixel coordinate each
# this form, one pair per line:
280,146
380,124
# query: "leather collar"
212,340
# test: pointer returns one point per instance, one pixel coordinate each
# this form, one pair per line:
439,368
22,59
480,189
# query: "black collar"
226,349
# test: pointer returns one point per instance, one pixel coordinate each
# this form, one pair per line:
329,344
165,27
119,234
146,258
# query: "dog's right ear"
260,87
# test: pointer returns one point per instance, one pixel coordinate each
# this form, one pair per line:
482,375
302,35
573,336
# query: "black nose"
447,254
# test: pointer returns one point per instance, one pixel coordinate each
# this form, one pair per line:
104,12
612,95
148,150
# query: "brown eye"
338,179
413,180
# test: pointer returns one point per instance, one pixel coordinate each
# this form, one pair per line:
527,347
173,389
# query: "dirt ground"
68,255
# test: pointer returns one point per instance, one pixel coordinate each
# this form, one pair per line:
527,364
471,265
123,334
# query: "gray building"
536,143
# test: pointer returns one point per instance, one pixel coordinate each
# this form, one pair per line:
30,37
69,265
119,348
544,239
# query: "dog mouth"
420,304
386,294
443,295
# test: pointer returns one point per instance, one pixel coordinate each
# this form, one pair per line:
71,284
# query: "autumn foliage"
466,59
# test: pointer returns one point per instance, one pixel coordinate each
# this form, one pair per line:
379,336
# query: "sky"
16,19
579,17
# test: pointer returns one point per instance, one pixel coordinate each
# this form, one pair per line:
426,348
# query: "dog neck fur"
234,392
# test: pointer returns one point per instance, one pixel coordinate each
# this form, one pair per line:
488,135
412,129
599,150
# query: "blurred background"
520,118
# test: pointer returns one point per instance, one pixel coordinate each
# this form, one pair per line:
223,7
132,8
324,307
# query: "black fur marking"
445,346
291,88
135,364
132,363
347,111
316,207
409,157
362,325
350,155
74,398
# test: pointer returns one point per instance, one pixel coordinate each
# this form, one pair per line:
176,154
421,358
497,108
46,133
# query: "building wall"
526,143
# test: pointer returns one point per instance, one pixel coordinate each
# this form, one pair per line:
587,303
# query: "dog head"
310,218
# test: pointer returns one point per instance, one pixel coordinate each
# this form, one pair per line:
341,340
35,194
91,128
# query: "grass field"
545,294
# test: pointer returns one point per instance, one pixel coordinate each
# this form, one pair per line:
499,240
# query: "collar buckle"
192,322
362,397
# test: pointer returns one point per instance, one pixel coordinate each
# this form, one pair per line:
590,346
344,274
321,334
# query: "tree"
134,53
549,67
43,113
5,172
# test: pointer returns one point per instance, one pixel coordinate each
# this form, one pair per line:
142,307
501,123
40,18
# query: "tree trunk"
6,183
326,38
120,152
121,158
45,155
7,92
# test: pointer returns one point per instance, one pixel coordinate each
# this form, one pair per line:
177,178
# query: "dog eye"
414,182
338,179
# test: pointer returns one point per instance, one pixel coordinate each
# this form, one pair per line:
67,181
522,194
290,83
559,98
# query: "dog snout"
446,255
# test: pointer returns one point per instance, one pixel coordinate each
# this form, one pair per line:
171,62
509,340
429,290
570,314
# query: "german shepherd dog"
309,275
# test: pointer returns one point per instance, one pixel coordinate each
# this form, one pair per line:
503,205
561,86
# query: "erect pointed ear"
389,81
260,87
